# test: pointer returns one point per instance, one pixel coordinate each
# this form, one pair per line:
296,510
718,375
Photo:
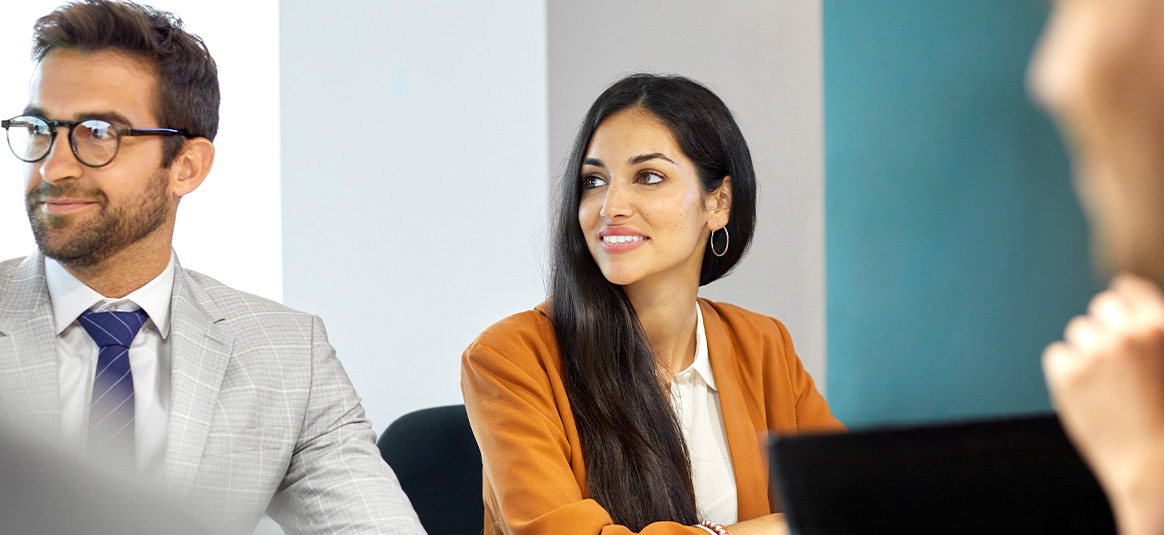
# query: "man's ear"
719,205
191,166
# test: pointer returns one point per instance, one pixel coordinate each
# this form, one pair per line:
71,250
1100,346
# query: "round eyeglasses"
94,141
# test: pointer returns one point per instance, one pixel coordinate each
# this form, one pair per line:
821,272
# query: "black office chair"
435,456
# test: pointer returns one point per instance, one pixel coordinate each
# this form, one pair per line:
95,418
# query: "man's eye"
38,129
94,129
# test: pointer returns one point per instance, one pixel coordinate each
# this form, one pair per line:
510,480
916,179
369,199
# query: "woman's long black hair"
636,460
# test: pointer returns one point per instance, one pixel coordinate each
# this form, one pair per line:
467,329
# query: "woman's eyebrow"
593,161
647,157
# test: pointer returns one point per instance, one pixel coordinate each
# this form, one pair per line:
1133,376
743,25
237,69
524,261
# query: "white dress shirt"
149,359
695,400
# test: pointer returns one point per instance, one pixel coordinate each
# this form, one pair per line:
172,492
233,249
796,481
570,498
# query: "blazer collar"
200,349
743,428
30,392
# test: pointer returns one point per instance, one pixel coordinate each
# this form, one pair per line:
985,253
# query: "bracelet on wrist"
713,527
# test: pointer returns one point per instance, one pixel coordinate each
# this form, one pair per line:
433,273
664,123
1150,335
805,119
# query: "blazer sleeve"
336,481
532,463
812,411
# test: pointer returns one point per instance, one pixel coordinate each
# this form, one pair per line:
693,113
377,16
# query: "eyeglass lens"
93,141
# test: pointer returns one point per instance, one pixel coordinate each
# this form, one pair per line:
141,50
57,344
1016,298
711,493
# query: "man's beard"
112,229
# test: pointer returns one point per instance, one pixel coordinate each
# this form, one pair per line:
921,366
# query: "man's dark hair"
188,95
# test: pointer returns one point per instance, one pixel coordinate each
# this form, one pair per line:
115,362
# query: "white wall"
15,236
414,182
764,60
417,146
230,227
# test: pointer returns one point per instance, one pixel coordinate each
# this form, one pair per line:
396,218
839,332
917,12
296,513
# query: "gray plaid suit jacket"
262,415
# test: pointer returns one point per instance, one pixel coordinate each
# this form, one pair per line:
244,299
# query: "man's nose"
60,163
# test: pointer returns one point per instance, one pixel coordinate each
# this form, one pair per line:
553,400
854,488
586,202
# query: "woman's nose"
617,203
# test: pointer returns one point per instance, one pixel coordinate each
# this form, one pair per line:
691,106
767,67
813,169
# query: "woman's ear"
719,205
191,166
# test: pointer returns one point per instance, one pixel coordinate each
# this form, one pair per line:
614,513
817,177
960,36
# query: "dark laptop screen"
1015,475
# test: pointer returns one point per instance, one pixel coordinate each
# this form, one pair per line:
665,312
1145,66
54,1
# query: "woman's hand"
1107,381
772,524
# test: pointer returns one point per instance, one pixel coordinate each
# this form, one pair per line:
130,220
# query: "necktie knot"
113,328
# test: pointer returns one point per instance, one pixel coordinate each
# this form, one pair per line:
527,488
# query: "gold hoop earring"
727,241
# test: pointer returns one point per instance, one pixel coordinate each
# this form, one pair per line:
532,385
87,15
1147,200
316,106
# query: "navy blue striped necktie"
111,411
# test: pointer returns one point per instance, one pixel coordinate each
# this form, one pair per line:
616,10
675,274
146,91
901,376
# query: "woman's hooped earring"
727,240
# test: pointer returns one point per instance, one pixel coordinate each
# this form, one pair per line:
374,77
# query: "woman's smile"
619,240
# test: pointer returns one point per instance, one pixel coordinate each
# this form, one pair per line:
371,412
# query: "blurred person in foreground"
1099,70
45,490
109,346
627,403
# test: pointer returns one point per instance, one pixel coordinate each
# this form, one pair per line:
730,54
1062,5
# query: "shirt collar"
70,297
702,364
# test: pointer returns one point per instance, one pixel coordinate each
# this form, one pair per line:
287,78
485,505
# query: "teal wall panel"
955,247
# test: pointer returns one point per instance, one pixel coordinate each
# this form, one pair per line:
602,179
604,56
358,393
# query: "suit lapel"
30,392
199,351
743,435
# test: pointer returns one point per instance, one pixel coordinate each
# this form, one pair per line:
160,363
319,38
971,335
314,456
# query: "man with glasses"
233,401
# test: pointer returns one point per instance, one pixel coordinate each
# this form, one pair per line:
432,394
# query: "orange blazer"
534,480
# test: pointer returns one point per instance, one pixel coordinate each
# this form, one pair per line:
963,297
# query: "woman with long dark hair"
626,403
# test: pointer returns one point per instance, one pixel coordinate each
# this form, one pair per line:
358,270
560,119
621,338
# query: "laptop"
1011,475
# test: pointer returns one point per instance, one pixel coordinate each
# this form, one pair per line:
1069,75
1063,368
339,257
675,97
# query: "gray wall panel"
764,59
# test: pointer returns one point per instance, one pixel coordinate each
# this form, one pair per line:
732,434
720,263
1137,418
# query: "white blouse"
695,400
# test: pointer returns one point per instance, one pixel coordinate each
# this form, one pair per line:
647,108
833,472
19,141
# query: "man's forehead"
68,84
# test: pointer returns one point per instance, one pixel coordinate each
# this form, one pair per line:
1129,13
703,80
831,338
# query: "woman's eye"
592,182
650,177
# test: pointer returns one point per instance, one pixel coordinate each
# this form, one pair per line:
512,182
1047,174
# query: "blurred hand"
1107,381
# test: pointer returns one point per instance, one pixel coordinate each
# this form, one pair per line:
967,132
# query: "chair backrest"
436,459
